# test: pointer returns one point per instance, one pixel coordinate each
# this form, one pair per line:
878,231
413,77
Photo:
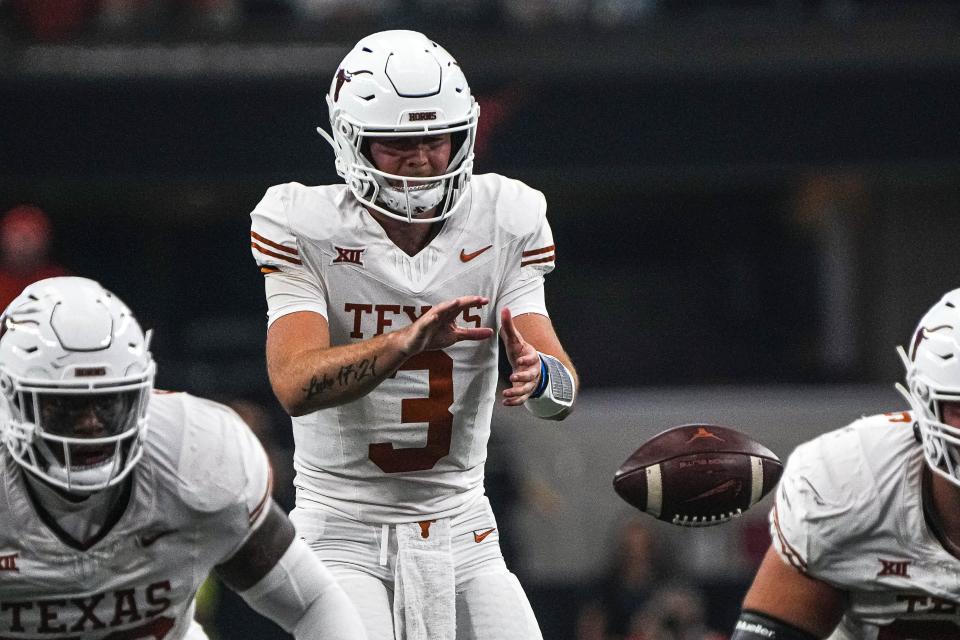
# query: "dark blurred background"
744,193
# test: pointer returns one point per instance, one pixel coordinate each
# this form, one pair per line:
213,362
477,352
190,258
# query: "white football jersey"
414,447
849,512
200,489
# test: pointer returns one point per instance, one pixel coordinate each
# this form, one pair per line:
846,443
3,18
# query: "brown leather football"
697,475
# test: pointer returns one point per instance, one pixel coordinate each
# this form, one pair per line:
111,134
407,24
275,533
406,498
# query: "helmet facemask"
932,378
80,440
404,198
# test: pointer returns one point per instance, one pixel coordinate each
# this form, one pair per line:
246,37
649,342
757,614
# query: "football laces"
705,521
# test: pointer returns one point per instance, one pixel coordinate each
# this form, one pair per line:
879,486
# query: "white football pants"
490,603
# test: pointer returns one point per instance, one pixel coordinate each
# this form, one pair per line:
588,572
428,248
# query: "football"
697,475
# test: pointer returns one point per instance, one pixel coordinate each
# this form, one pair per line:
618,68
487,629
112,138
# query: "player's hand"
438,328
524,360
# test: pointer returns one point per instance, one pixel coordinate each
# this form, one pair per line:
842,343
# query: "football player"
382,296
866,523
116,501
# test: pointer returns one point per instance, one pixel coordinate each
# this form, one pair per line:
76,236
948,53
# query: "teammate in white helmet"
116,501
866,524
383,297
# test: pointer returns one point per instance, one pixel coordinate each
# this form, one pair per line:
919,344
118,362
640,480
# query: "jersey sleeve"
789,531
823,500
225,471
522,289
256,486
289,285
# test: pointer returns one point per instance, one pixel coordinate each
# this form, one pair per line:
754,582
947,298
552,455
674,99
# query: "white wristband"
558,394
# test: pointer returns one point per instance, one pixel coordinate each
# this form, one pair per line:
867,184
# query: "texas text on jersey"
200,488
115,502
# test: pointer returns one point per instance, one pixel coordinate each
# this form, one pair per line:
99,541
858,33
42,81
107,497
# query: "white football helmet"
75,380
402,84
933,376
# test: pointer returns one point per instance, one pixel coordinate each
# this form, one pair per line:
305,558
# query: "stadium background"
753,202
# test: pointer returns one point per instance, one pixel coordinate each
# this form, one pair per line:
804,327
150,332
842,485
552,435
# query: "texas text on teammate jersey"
202,486
849,511
415,446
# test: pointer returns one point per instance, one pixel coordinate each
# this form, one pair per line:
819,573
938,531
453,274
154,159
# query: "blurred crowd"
25,236
662,584
59,20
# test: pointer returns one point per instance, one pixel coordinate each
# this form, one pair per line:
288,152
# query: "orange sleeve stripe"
269,269
538,260
536,252
788,551
265,499
275,245
278,256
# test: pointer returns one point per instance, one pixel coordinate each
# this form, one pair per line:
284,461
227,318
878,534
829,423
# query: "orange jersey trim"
272,254
788,551
275,245
269,269
265,499
538,260
536,252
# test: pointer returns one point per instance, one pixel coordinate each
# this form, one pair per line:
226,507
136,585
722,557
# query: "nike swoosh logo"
480,537
467,257
148,540
723,487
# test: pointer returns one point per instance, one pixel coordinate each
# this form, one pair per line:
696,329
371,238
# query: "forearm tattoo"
348,374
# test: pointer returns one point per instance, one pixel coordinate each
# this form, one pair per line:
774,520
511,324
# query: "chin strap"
412,200
65,476
337,161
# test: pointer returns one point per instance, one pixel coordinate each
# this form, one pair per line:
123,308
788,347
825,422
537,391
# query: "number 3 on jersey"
434,410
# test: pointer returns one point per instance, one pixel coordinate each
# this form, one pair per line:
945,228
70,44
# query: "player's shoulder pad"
830,468
292,211
272,241
836,490
888,443
219,461
519,208
844,472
